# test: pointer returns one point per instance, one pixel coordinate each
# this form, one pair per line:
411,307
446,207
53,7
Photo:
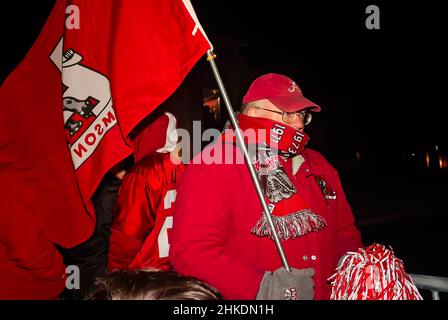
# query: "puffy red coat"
216,208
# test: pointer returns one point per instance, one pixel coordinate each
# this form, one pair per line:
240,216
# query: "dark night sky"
382,92
377,87
384,87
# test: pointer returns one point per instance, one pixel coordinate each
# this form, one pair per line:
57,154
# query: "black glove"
284,285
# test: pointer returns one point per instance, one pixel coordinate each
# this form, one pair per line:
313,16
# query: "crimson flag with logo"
96,70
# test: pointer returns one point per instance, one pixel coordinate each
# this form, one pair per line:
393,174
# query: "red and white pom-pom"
373,273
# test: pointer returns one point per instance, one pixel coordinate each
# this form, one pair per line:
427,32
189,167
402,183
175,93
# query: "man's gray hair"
246,106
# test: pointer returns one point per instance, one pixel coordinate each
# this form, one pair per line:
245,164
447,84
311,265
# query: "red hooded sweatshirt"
143,214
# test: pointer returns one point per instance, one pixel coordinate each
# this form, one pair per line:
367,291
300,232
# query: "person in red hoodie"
143,213
220,234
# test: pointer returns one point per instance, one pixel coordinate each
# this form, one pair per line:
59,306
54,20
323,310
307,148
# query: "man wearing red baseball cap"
220,234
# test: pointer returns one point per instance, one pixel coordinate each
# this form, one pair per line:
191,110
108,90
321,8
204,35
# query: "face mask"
278,136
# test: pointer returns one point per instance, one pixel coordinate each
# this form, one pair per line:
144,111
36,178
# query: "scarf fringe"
292,226
373,273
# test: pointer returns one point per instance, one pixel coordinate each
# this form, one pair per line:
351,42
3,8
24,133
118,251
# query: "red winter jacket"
216,208
30,265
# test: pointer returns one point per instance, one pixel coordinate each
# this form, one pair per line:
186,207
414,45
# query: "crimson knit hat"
283,92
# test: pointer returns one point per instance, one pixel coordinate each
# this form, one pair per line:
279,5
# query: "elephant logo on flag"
87,104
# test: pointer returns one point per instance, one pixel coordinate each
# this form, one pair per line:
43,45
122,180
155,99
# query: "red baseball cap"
283,92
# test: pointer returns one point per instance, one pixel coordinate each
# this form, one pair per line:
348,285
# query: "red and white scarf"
270,145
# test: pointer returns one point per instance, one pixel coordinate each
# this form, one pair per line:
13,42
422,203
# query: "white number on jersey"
164,245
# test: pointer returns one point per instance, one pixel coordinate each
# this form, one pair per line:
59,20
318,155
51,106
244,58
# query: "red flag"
96,70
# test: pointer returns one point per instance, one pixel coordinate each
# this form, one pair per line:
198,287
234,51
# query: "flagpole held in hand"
239,137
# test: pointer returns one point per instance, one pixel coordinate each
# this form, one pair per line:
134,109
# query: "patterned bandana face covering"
290,212
278,136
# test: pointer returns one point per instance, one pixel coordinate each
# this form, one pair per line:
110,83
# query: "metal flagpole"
239,137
